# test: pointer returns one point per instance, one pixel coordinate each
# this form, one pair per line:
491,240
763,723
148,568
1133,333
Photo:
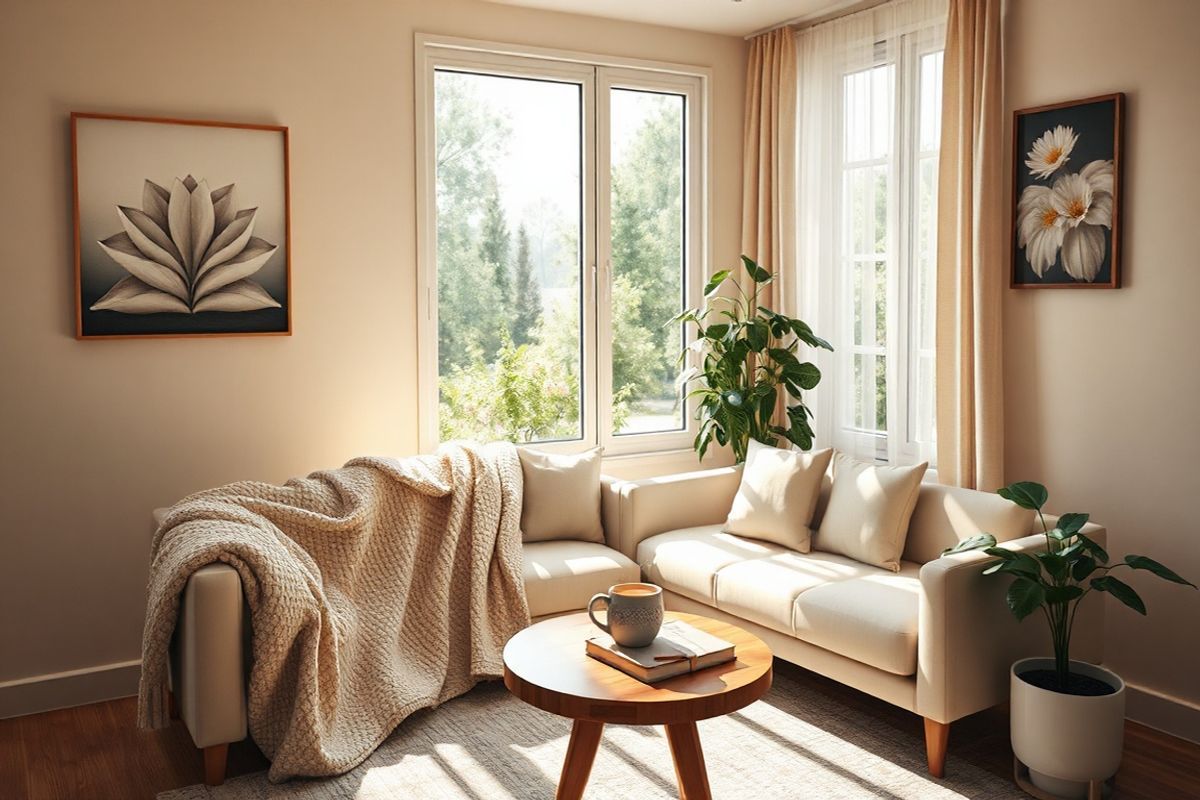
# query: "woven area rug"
487,745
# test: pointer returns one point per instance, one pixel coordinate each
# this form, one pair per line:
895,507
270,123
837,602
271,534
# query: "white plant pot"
1067,740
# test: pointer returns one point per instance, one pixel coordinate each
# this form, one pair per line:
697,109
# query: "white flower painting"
1064,216
187,250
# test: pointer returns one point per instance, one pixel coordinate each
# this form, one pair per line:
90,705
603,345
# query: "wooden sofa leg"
214,763
937,736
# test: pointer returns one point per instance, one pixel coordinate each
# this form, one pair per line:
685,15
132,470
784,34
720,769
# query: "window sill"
653,464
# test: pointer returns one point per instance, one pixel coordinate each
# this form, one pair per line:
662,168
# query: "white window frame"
901,259
597,75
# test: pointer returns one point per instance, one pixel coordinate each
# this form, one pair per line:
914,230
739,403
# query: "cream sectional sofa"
935,638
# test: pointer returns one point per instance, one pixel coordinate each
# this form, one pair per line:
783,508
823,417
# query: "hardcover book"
680,648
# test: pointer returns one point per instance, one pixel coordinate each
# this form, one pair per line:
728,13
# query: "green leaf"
783,357
716,280
733,399
1120,590
757,334
767,404
1147,563
1024,597
1017,562
1070,524
806,375
687,315
716,331
1056,566
1063,594
1082,568
1026,494
973,543
1070,551
756,273
805,334
1098,552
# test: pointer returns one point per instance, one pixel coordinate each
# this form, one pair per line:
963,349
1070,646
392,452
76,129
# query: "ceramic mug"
635,613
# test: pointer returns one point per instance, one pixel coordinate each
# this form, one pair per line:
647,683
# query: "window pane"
508,159
867,116
866,194
931,101
869,394
647,259
921,407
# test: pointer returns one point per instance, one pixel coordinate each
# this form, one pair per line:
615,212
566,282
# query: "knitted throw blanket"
375,590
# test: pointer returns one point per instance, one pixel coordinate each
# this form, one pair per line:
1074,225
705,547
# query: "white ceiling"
715,16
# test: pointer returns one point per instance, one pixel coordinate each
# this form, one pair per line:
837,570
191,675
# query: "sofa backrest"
946,515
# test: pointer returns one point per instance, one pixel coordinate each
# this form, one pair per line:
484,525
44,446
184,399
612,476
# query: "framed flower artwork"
181,228
1067,194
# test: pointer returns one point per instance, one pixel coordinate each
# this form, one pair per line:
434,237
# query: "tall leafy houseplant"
1057,580
748,357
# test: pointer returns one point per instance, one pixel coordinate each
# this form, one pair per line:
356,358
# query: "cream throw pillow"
869,510
562,496
778,494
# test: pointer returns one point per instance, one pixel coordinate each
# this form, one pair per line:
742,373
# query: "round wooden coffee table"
546,666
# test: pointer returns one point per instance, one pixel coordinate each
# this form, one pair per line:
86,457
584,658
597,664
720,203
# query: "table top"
546,665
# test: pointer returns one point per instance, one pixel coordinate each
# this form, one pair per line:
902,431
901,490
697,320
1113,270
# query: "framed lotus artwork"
181,228
1067,194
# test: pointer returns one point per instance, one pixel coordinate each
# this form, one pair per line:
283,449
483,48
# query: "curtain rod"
801,23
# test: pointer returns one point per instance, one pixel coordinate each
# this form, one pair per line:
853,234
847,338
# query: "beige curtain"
769,162
971,250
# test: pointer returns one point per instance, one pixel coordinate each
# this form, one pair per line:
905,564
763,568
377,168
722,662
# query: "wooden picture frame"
1066,194
182,227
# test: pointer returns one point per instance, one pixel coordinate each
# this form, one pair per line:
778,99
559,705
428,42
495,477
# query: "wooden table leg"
689,761
581,752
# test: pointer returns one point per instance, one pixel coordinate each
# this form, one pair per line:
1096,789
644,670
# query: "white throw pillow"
869,510
562,496
778,494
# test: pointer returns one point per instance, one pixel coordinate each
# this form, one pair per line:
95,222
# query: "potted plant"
1068,717
748,356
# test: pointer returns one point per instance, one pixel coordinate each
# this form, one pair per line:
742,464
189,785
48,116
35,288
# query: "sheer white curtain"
868,109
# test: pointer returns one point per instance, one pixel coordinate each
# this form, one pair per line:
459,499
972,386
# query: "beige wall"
1103,387
96,434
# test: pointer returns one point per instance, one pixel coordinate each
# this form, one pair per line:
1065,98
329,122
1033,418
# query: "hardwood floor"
95,752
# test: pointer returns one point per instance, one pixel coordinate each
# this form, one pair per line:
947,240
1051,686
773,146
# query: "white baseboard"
1163,712
75,687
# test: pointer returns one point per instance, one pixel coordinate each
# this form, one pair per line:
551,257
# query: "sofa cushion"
561,498
777,495
945,515
764,590
872,619
686,561
563,575
869,510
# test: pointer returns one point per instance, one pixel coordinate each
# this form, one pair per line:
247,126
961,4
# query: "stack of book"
679,649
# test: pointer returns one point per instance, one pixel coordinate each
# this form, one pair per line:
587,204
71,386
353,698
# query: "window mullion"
900,284
602,255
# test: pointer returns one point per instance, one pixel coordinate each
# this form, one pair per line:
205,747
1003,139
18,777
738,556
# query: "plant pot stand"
1098,788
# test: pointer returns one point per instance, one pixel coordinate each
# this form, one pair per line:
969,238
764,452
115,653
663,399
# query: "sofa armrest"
208,657
689,499
967,638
